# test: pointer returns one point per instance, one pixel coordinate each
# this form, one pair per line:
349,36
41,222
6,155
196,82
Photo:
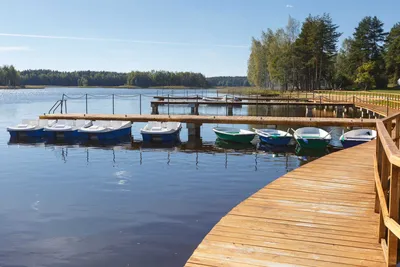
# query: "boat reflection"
197,147
234,146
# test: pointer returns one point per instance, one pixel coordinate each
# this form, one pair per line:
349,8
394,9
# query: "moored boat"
106,130
234,135
65,129
357,137
311,137
274,137
161,131
28,128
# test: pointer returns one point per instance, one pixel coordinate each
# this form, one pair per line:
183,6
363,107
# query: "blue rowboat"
106,130
65,129
164,132
357,137
274,137
28,129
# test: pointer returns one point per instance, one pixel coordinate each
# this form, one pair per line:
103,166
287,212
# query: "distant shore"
116,87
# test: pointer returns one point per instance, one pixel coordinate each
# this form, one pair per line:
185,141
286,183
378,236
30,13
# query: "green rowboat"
312,138
234,135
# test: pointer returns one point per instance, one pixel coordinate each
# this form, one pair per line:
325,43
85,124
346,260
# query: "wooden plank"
321,214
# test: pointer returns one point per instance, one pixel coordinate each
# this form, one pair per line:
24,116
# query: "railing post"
65,101
62,103
86,103
168,104
226,104
257,105
397,133
140,103
384,175
392,242
377,157
113,107
387,108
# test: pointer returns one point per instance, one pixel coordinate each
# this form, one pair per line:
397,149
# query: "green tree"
368,45
257,65
364,76
392,55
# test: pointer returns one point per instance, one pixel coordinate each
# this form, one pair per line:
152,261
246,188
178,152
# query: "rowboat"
161,131
357,137
28,128
106,130
311,137
234,135
65,129
274,137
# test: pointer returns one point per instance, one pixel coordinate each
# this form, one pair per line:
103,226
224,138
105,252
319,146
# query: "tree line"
307,57
146,79
228,81
9,76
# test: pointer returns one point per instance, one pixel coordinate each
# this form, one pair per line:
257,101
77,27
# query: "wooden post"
393,214
86,105
387,109
384,175
113,109
140,103
257,106
397,134
377,157
168,104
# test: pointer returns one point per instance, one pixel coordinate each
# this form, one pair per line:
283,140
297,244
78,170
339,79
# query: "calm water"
125,205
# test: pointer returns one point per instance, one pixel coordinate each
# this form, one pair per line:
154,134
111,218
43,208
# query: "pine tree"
392,55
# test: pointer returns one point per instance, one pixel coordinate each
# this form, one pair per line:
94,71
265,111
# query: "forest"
9,76
228,81
306,56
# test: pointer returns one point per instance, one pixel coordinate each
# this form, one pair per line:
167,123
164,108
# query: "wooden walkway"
321,214
381,110
200,119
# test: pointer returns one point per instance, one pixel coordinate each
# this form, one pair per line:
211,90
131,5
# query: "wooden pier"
321,214
198,119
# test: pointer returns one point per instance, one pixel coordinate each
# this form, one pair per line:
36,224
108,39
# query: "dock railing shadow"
387,170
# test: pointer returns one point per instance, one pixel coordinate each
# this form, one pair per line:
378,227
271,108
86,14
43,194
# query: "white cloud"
289,6
115,40
14,48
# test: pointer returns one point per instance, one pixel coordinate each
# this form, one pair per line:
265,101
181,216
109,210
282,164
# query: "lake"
128,204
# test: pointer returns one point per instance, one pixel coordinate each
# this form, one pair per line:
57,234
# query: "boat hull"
106,136
236,138
37,133
276,140
313,143
352,143
62,135
163,138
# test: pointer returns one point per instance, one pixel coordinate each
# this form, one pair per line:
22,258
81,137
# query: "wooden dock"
200,119
251,98
321,214
249,103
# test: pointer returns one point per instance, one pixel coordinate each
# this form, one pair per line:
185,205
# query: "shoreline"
112,87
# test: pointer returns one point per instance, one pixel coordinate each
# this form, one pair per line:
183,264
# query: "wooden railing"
387,170
388,100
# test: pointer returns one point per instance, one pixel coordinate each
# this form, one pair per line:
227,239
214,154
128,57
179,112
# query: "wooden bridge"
339,210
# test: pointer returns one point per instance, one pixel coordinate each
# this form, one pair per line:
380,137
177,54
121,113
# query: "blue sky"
208,36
